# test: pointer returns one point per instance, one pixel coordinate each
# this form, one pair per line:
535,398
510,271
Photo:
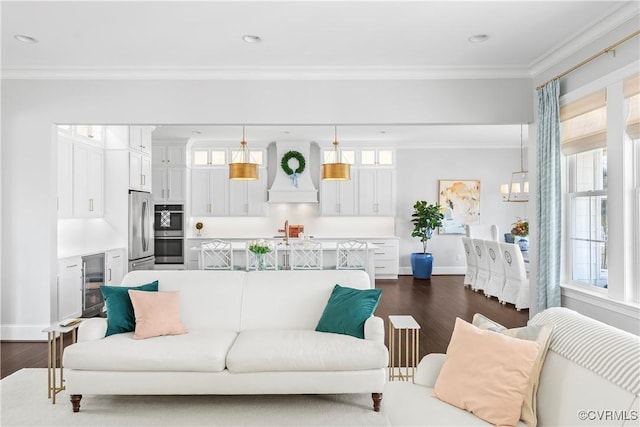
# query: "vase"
523,242
421,265
260,262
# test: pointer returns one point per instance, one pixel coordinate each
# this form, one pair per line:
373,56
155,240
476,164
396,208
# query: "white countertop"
326,246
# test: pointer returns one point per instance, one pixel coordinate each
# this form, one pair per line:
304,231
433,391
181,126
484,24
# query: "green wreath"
293,155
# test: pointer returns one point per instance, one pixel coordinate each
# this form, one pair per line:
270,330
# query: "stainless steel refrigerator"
141,245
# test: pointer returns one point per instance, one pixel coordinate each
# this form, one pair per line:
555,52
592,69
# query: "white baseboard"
438,271
23,332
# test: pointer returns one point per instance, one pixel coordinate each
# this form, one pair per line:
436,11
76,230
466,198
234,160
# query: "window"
588,217
600,142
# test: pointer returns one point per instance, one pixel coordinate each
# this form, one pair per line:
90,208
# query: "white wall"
30,107
418,172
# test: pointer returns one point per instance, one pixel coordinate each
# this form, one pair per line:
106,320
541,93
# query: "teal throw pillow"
347,310
120,315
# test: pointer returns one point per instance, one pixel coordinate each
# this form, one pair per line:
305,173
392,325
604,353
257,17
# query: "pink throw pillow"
486,373
157,313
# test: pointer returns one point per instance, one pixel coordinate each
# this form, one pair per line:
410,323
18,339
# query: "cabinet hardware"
116,256
143,179
90,205
109,279
72,266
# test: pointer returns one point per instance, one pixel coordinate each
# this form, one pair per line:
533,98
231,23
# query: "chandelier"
243,168
335,170
518,189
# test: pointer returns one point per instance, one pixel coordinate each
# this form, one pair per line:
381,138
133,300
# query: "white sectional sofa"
248,333
591,377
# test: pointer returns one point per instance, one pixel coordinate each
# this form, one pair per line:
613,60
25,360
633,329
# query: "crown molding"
584,38
263,73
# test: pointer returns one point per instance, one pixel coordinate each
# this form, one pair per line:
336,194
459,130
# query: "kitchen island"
329,254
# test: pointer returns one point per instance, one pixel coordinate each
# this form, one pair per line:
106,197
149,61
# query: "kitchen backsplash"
234,227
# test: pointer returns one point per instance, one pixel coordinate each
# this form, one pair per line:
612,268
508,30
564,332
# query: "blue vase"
523,242
421,265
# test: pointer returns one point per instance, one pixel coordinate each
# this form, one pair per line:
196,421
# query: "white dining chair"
216,255
472,262
270,259
482,278
352,255
516,285
305,255
496,281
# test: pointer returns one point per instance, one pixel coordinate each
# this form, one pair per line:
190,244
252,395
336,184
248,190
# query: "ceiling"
303,39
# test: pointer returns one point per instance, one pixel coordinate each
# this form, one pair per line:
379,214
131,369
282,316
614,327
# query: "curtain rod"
591,58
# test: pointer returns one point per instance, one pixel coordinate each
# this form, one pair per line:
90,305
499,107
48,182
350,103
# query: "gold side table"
55,337
407,326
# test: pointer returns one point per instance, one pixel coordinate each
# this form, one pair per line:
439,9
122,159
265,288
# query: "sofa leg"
377,399
75,402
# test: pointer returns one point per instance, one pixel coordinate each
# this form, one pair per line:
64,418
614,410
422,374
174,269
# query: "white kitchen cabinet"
339,197
114,266
204,156
168,184
139,172
140,138
249,198
386,258
209,192
69,288
376,192
88,181
169,155
65,178
377,157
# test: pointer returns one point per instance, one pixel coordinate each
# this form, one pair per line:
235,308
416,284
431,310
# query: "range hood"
284,189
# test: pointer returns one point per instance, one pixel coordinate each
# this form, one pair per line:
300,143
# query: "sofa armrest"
92,329
429,369
374,329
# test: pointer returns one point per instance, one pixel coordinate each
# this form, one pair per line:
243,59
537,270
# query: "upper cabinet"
139,171
371,190
169,154
377,157
80,178
212,193
249,198
169,172
140,138
376,192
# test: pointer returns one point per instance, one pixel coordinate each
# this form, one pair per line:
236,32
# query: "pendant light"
336,170
243,169
518,189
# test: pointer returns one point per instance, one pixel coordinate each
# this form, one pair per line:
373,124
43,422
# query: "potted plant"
425,218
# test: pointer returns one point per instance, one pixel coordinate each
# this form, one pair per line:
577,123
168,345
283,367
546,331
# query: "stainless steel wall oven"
169,234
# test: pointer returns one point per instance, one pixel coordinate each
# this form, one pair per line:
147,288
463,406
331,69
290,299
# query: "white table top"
403,322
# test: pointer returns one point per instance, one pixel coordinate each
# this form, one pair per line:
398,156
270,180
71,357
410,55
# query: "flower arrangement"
520,228
260,246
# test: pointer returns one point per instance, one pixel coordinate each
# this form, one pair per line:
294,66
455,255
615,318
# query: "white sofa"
591,377
248,333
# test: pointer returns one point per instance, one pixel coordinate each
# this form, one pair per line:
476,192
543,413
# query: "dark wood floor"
434,304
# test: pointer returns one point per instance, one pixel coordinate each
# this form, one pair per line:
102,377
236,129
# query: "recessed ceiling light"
25,39
251,39
478,38
196,132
